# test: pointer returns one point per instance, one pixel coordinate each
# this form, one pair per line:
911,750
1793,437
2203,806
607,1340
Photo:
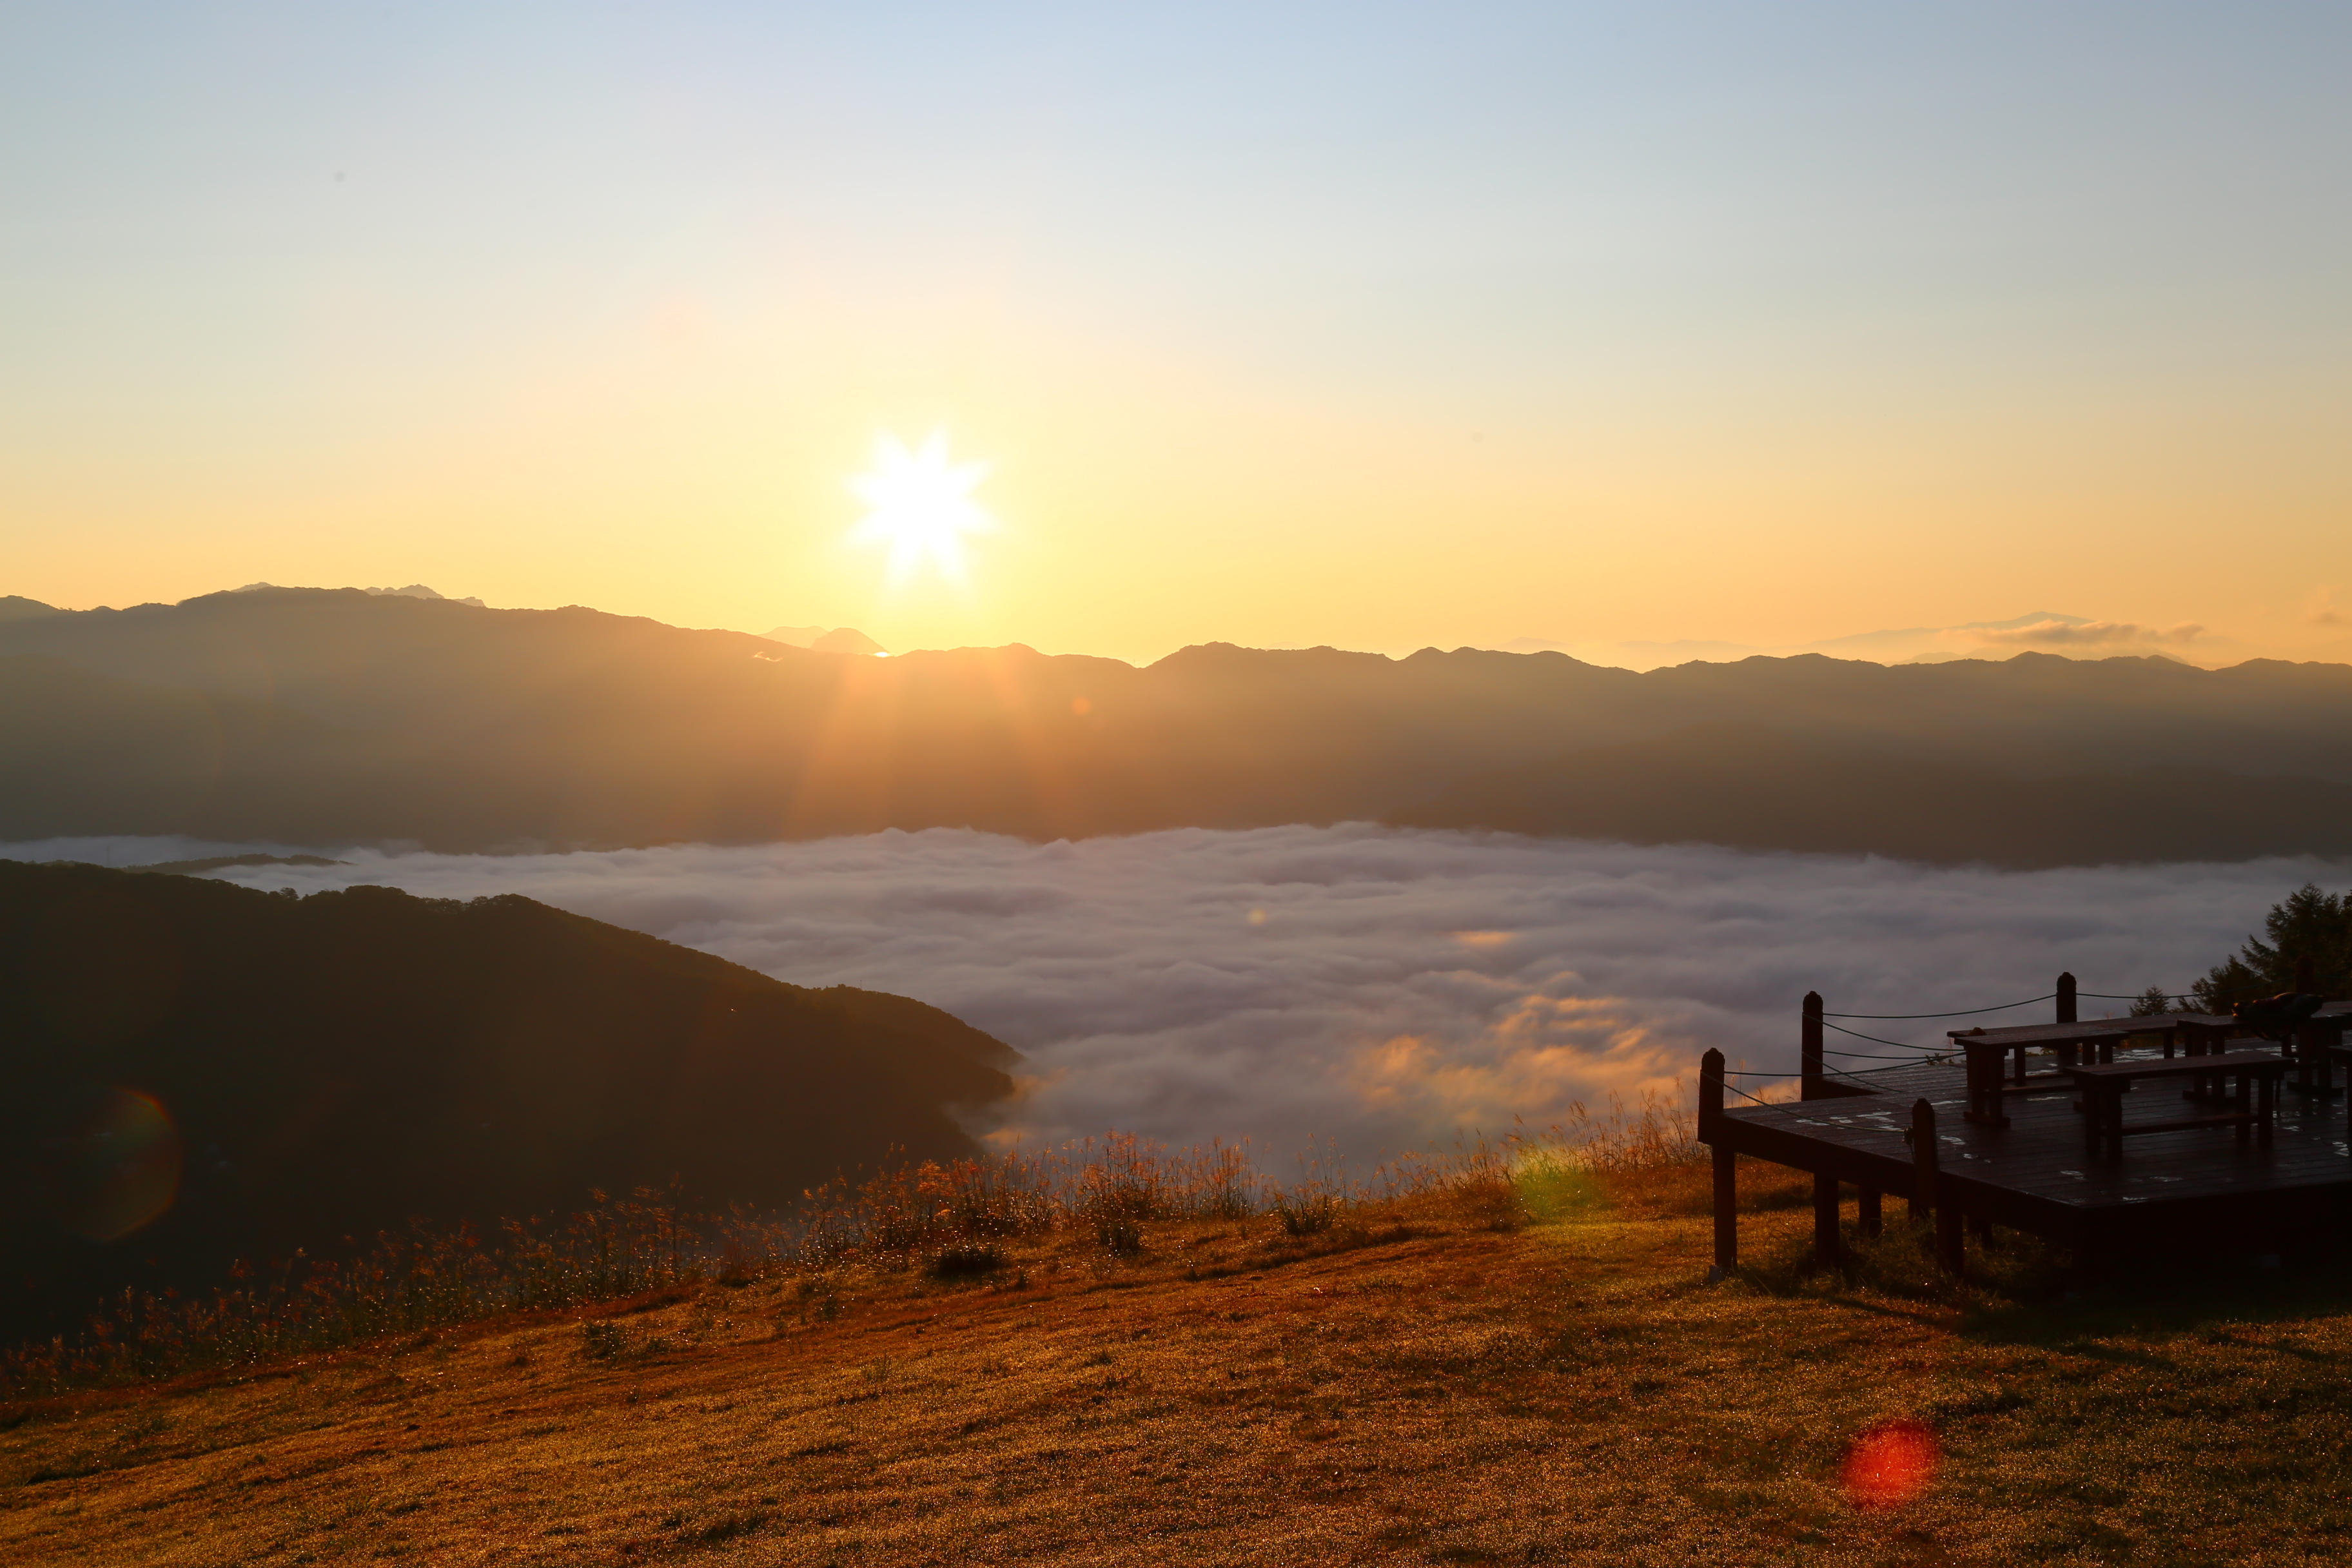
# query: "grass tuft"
965,1261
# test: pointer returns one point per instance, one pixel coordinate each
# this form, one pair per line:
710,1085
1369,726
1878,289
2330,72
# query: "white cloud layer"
1380,987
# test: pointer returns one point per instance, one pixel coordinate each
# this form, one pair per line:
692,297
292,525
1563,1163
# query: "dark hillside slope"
1754,788
323,717
191,1071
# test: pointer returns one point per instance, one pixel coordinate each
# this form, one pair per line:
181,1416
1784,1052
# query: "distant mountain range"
840,639
191,1071
1755,788
414,591
2043,630
331,716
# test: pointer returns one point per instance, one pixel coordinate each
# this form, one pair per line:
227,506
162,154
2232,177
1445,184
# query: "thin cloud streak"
2085,634
1399,985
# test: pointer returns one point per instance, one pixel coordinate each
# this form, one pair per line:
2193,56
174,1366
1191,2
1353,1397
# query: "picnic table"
2105,1084
2318,1046
1988,1052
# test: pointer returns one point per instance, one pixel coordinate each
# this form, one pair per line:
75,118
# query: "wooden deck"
2035,1176
1985,1131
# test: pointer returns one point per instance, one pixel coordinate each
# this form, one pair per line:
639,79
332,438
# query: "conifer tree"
2307,923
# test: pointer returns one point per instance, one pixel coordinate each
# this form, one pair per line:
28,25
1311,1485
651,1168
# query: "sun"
920,504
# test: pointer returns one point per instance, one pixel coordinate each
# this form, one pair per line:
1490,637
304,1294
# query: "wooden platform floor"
2035,1174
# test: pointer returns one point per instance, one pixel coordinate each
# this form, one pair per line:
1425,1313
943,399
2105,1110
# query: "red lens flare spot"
1890,1464
121,1166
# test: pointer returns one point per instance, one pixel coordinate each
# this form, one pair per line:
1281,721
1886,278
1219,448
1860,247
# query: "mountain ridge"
326,716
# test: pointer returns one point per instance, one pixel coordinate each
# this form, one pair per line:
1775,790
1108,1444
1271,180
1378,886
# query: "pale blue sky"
1140,254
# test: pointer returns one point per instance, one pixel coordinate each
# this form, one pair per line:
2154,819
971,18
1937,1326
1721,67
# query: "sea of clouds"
1381,988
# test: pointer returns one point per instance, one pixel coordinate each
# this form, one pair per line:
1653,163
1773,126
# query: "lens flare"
122,1167
1890,1464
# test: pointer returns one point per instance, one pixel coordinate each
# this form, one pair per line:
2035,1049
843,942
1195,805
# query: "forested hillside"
191,1071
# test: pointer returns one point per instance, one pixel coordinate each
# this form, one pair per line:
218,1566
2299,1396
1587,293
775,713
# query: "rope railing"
1873,1039
1862,1077
1745,1095
1958,1013
1911,1054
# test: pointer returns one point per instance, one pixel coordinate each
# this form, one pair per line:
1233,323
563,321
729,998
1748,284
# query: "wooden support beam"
1866,1214
1727,1212
1926,1192
1825,1219
2066,989
1726,1181
1924,1154
1808,1050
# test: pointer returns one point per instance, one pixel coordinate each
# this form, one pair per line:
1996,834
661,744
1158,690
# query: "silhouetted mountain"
1755,788
13,607
799,636
270,1072
325,717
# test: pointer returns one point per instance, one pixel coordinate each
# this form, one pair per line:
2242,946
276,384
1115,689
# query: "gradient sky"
1366,324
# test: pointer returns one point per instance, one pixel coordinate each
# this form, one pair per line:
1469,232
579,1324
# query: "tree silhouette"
2306,924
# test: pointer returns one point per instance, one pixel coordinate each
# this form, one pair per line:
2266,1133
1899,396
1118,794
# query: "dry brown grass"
954,1214
1471,1376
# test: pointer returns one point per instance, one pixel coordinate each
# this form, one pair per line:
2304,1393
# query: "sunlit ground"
1445,1392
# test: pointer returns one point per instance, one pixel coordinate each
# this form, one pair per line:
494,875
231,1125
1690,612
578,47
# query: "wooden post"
1866,1213
2066,1015
1727,1182
1926,1191
1809,1050
1825,1219
1923,1160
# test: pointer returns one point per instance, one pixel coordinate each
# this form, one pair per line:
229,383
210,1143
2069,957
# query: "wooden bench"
2103,1085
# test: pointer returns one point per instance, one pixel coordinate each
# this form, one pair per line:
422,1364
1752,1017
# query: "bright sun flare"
921,505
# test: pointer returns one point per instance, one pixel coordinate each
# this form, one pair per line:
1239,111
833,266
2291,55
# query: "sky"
1384,989
1365,324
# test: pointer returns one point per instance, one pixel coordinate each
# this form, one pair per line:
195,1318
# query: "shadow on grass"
2020,1289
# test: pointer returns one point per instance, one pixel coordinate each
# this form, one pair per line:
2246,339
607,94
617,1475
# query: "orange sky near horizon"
1702,335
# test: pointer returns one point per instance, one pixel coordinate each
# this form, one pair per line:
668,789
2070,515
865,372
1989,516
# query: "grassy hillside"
1470,1377
192,1071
